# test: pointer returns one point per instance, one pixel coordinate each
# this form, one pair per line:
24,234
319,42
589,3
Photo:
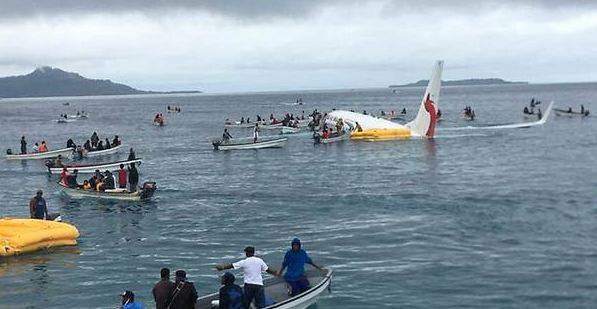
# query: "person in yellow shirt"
86,185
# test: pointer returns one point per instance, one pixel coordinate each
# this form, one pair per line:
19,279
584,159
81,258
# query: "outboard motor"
148,189
8,151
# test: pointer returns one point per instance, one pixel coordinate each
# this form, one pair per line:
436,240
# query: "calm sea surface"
474,218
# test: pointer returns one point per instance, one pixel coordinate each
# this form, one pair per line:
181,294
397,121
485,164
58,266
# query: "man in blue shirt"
294,263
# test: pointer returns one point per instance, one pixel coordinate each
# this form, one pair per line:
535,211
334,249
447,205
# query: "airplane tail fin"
424,124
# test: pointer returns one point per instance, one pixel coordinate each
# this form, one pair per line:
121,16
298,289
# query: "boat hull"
104,152
274,143
562,112
90,169
66,152
145,193
275,288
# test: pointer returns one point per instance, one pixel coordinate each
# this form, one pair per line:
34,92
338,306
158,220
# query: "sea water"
503,218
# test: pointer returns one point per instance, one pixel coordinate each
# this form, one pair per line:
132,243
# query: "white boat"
90,168
271,126
569,113
144,193
289,130
320,140
239,125
247,143
97,153
66,152
276,290
64,120
80,116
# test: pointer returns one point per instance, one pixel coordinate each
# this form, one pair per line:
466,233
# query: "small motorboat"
276,290
65,152
570,113
247,143
19,236
90,168
64,120
332,139
98,153
144,193
289,130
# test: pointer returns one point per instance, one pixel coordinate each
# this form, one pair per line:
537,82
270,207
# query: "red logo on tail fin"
430,108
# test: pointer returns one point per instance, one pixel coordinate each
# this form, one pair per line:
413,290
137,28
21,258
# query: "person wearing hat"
37,206
163,290
252,268
128,301
184,295
231,295
294,263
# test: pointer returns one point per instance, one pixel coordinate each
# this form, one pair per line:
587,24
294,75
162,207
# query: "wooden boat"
90,168
66,152
247,143
276,289
97,153
567,112
144,193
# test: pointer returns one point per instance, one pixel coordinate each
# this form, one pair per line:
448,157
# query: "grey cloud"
255,10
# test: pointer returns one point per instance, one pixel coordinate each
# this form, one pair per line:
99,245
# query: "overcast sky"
229,46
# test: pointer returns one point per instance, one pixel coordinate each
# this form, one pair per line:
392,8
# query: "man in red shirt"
122,177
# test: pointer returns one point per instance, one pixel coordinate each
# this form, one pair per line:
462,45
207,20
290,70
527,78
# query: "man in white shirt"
252,268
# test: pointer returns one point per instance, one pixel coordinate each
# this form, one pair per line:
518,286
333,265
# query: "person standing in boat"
133,178
100,146
252,267
226,137
231,295
38,207
162,291
122,177
256,132
184,295
539,114
94,140
294,263
23,145
131,155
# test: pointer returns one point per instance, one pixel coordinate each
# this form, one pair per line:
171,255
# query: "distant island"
463,82
54,82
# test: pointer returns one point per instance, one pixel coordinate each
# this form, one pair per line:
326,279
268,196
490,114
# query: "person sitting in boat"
131,155
256,132
248,120
38,207
231,295
92,181
43,147
226,137
70,143
108,182
100,146
258,118
86,185
383,113
358,127
242,120
116,141
403,111
570,110
122,177
526,110
87,145
294,263
582,109
35,148
71,179
227,121
108,144
340,125
364,112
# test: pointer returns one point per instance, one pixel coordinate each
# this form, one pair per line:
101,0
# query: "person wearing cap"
128,301
294,263
231,295
184,294
163,290
252,268
37,206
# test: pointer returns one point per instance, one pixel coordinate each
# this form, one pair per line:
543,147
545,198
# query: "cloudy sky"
239,45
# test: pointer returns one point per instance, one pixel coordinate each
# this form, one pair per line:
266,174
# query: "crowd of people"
103,181
181,293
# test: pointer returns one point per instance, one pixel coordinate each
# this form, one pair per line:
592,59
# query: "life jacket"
43,148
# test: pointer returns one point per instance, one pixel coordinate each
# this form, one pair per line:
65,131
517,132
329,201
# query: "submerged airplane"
372,128
367,127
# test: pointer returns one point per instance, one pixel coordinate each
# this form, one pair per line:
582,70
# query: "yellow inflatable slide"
19,236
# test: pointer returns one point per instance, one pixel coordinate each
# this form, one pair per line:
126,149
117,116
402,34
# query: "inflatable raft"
18,236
